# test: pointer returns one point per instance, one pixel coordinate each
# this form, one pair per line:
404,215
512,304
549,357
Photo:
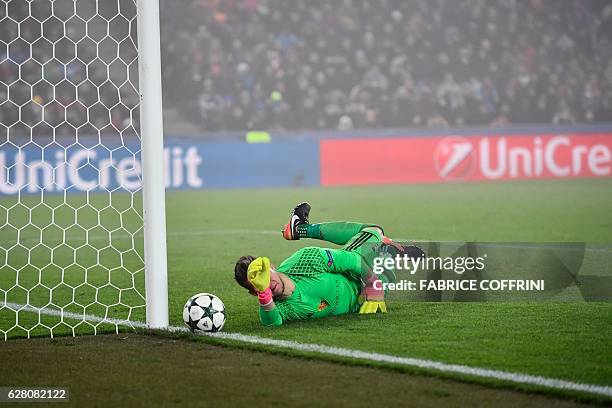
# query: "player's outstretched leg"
335,232
299,216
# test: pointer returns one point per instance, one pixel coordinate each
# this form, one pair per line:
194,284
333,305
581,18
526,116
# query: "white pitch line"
31,240
225,232
507,245
355,354
517,245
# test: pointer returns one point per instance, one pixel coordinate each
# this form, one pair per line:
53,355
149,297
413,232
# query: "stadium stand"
251,64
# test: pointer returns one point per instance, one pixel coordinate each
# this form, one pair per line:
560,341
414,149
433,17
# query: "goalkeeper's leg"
338,233
369,243
368,240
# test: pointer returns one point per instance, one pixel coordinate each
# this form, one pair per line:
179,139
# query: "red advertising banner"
465,158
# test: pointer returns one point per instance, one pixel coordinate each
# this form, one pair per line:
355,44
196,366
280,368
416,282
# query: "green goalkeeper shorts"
369,244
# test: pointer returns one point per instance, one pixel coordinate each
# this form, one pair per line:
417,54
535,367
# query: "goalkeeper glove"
373,296
368,307
258,274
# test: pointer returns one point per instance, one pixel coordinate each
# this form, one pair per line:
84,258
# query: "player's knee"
375,229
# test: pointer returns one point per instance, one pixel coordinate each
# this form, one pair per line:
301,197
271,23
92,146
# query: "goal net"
71,197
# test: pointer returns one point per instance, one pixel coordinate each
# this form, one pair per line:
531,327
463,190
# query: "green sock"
336,232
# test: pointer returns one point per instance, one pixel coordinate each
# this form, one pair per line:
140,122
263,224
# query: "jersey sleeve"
270,317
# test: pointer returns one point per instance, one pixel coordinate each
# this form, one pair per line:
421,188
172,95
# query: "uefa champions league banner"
188,164
194,163
436,159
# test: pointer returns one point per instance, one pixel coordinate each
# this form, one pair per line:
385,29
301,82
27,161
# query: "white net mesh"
70,187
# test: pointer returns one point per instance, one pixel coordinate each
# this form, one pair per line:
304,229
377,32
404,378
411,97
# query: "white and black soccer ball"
204,313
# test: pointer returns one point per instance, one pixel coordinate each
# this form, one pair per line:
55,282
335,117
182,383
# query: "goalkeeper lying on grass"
319,282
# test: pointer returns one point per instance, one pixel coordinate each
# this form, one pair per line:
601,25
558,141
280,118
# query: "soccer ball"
204,313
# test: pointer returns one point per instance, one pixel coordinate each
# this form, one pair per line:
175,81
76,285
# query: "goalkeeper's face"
277,284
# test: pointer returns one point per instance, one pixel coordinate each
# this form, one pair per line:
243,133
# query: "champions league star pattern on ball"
204,312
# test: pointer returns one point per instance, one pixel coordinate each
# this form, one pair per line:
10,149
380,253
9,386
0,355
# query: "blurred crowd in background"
68,68
232,65
347,64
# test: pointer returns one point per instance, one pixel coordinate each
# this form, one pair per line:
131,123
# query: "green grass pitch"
208,230
195,373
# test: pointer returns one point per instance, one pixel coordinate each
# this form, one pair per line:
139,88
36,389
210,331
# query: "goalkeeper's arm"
269,315
258,275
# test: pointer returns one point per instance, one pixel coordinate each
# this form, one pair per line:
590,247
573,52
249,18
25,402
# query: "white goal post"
152,134
82,192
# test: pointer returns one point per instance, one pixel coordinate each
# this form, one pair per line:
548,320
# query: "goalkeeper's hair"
240,272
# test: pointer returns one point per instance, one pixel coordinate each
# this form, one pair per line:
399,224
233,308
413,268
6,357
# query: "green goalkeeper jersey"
327,282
